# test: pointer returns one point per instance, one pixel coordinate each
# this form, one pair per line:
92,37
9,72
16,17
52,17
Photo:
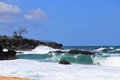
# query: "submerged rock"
9,55
64,62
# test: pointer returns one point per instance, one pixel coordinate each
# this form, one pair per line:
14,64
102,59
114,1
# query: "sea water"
38,64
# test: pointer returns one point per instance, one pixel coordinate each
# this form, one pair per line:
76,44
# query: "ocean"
38,64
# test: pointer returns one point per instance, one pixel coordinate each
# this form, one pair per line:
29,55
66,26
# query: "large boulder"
8,55
64,62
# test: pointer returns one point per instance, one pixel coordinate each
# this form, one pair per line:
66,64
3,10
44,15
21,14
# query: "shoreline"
12,78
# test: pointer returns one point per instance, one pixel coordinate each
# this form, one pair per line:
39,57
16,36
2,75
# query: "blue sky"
70,22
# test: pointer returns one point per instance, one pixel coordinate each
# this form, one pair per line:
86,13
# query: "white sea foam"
54,71
5,50
43,49
117,49
100,49
39,50
113,61
111,47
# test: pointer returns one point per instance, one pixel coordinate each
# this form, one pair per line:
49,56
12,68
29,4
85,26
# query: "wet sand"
12,78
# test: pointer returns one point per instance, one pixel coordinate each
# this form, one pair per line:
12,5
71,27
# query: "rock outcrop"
9,55
64,62
19,43
80,52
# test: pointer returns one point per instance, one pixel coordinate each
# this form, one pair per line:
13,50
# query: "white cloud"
37,14
8,8
8,12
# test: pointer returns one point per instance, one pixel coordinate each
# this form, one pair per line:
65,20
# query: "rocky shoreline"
20,43
7,55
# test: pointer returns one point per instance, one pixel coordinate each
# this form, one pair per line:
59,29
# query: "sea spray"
39,50
43,49
112,61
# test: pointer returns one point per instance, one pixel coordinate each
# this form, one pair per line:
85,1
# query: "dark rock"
74,52
80,52
9,55
57,51
64,62
26,44
54,45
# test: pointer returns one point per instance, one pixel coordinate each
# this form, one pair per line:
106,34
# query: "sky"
70,22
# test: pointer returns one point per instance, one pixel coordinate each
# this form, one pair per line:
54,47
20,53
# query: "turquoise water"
74,58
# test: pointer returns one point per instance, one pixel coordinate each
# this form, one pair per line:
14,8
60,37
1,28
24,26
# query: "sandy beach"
12,78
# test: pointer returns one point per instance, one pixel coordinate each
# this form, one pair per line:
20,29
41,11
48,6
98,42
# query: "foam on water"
54,71
111,47
33,64
111,61
99,49
39,50
43,49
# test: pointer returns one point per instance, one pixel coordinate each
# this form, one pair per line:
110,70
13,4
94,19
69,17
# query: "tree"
21,31
14,34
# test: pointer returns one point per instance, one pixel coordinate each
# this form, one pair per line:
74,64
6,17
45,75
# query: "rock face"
9,55
64,62
20,43
74,52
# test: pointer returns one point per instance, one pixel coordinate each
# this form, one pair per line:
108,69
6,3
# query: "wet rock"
9,55
74,52
54,45
80,52
26,44
64,62
57,51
